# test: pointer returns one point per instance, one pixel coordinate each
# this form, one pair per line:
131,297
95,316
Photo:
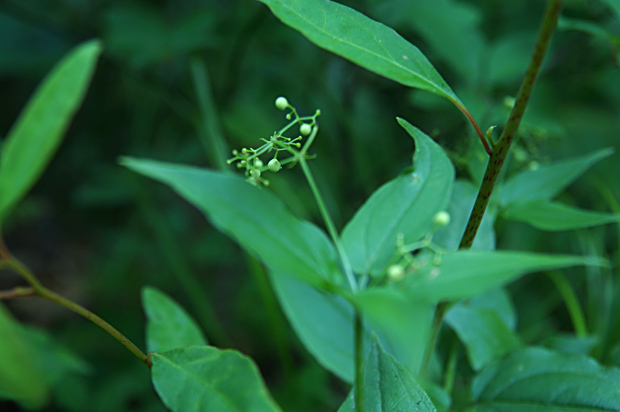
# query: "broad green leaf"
168,325
388,386
536,379
253,217
484,334
37,133
365,42
204,378
20,378
499,302
322,321
460,207
553,216
547,181
467,273
406,206
403,322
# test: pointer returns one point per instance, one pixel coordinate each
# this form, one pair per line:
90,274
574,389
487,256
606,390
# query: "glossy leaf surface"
388,386
548,181
467,273
37,133
536,379
366,42
556,216
253,217
484,334
204,378
168,325
403,322
322,321
406,205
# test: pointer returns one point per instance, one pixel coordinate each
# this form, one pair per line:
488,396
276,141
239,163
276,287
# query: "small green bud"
258,163
305,129
235,152
395,272
281,103
274,165
441,219
255,173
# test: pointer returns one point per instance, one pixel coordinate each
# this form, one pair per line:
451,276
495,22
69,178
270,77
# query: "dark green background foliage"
97,233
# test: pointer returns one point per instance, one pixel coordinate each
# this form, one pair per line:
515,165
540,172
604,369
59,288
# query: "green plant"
367,302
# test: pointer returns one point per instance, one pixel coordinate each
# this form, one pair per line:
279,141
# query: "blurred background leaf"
98,233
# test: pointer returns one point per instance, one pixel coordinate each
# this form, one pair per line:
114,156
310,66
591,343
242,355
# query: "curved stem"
572,303
500,151
473,122
331,228
36,288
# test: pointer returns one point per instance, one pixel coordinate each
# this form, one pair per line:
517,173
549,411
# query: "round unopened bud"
281,103
258,163
255,173
305,129
441,219
274,165
395,272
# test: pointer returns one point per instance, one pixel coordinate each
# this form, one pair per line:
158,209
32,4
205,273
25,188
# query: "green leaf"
254,217
37,133
20,378
484,334
547,181
388,386
322,321
467,273
460,206
204,378
536,379
168,325
404,323
553,216
366,42
406,205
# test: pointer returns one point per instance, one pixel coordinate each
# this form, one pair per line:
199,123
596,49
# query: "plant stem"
360,405
211,135
500,151
331,228
572,303
36,288
502,147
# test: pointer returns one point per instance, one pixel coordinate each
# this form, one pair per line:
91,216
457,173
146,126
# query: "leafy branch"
37,289
501,149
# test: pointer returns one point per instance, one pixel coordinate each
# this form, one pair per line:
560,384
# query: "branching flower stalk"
501,149
37,289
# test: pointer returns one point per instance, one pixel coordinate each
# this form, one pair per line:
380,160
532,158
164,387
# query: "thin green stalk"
36,288
500,151
572,303
360,405
211,135
331,228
